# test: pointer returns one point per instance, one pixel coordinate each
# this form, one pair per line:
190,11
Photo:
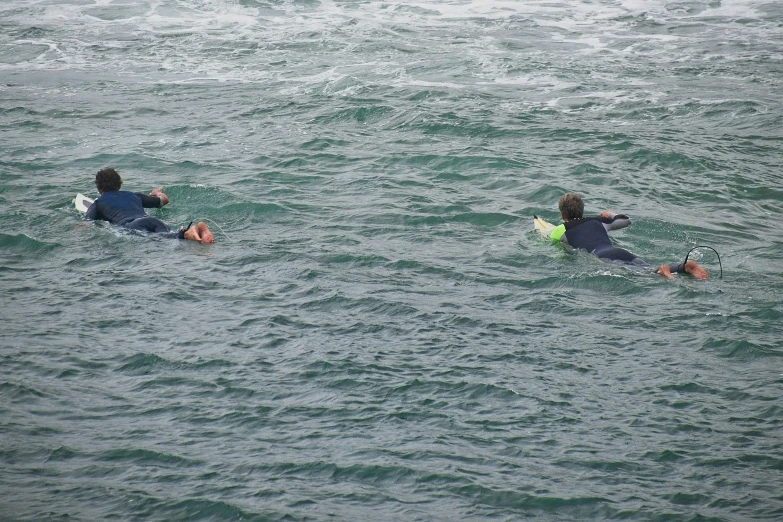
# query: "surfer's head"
571,206
107,180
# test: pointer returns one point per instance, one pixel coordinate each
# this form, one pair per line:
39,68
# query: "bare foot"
692,268
200,233
665,272
206,235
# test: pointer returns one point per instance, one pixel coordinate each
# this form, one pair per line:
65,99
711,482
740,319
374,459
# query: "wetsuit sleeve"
615,221
92,212
150,201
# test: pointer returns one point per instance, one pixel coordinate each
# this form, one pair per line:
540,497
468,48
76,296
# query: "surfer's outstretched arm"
158,193
614,221
689,267
92,212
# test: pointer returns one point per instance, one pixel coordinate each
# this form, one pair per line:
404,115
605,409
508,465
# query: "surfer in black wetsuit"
126,209
591,234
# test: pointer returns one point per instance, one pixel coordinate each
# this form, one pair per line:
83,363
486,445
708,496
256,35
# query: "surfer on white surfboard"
591,234
126,209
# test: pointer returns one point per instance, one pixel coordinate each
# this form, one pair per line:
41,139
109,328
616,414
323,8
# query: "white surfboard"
82,202
542,227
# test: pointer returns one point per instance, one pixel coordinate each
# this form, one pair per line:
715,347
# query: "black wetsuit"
126,209
591,234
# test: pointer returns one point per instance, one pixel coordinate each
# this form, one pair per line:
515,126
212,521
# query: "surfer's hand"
158,193
607,214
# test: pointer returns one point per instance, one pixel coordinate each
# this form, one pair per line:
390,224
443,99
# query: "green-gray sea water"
377,333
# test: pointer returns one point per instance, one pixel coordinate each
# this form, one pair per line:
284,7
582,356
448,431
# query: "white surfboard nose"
82,202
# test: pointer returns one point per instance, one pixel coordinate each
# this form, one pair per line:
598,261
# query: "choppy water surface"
377,333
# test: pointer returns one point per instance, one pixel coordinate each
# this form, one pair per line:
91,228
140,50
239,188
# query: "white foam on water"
545,82
435,85
196,16
736,9
223,40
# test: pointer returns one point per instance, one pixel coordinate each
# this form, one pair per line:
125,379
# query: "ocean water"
377,333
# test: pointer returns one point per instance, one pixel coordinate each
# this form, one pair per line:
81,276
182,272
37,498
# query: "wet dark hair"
571,206
107,180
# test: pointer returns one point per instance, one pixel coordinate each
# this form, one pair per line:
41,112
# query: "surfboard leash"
221,229
705,246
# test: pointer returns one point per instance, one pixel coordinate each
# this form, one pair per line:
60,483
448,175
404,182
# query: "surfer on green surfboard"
590,234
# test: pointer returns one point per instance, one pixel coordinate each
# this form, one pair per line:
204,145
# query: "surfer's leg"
617,254
148,224
690,267
199,233
665,271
